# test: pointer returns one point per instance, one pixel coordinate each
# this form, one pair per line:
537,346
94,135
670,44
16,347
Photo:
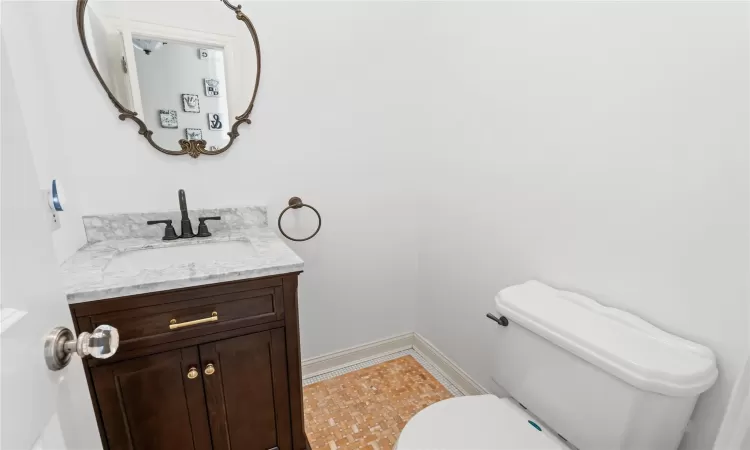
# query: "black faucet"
169,233
187,227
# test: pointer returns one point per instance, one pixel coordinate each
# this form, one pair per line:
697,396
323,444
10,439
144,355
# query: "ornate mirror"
187,72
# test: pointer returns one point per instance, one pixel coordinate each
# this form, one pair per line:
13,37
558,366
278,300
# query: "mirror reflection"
188,70
182,91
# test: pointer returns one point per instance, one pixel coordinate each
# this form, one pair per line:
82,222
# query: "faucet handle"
203,228
169,232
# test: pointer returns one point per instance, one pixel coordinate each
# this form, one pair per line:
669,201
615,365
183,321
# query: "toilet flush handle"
502,320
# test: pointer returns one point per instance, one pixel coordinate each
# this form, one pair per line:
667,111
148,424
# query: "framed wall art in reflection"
213,87
216,121
190,103
193,134
168,118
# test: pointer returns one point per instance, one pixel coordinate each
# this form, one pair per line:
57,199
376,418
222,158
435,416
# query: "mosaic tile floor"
367,408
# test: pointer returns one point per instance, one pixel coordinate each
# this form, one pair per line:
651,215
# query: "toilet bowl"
598,377
482,422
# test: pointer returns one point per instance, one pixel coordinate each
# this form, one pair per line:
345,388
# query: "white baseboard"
450,369
357,354
361,353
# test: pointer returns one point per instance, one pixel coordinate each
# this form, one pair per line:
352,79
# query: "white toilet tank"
602,378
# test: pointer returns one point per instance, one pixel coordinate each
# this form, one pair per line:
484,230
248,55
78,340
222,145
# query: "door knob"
192,373
60,344
209,369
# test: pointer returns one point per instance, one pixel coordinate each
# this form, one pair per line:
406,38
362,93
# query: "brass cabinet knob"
192,373
209,369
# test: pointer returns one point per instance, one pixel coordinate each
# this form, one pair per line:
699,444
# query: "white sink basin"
162,258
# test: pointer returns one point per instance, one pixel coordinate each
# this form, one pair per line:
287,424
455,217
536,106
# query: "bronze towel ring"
296,203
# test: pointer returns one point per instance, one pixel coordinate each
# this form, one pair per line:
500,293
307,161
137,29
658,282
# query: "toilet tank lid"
617,342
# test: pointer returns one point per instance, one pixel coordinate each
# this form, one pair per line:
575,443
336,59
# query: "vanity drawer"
158,324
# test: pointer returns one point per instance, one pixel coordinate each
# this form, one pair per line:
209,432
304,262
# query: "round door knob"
61,343
192,373
209,369
100,344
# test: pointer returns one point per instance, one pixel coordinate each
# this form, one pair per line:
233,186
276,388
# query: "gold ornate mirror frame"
194,148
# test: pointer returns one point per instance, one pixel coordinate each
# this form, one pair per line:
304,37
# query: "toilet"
579,375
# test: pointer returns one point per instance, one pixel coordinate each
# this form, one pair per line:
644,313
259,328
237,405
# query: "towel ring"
296,203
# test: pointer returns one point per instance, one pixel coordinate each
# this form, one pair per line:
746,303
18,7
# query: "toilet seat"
481,422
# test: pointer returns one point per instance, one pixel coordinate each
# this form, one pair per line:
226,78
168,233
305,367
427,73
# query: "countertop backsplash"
107,227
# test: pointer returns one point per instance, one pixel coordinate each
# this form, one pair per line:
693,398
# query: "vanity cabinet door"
247,391
154,402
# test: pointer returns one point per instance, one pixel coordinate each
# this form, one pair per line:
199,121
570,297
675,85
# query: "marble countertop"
86,278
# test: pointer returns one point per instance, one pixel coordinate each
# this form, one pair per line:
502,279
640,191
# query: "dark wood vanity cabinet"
248,405
210,367
148,402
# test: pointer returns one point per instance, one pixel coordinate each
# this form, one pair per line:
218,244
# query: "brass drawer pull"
209,369
173,325
192,373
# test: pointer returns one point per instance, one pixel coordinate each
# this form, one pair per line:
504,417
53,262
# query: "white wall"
598,147
48,103
332,124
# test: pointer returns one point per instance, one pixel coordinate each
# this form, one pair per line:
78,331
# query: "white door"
125,82
39,408
734,433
